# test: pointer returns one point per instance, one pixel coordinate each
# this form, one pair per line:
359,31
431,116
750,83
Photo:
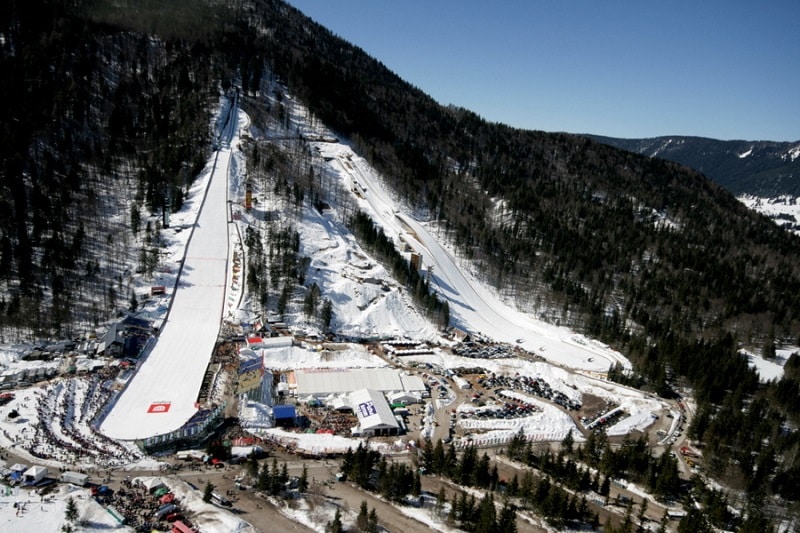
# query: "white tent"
152,483
375,417
404,397
34,474
340,403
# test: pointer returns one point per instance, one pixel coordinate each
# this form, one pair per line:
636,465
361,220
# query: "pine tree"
487,515
441,501
302,483
372,522
326,315
71,513
507,521
362,520
335,525
438,461
416,488
568,443
207,491
263,481
136,219
252,465
640,515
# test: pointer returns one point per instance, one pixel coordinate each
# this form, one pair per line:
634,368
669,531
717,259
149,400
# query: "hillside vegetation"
107,122
758,168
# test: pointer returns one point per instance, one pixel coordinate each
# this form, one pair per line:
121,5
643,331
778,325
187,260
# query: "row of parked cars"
475,350
513,409
535,386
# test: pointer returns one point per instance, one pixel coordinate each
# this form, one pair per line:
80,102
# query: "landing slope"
161,396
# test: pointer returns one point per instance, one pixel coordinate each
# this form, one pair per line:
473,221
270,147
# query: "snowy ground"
47,514
784,210
53,428
162,395
350,356
770,369
473,307
552,423
54,423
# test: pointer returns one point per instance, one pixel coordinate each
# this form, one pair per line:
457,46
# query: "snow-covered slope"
784,209
473,307
162,395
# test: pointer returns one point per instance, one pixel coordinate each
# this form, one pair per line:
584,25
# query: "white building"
406,398
34,474
461,382
375,417
323,382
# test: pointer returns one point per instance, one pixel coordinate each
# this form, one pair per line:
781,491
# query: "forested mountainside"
759,168
106,119
98,124
611,238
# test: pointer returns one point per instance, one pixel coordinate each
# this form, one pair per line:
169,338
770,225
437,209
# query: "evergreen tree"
693,522
335,525
302,483
640,516
71,513
426,455
136,219
568,442
439,461
372,522
441,501
362,520
264,479
252,466
507,521
326,315
207,491
416,488
487,515
605,487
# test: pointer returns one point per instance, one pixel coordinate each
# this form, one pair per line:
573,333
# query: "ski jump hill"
161,397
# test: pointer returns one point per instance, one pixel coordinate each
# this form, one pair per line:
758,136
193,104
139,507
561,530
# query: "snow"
367,301
784,209
48,514
473,307
316,444
161,397
745,154
353,356
65,438
549,424
770,369
640,421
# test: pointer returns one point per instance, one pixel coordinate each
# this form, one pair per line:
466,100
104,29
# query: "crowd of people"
64,431
326,420
139,506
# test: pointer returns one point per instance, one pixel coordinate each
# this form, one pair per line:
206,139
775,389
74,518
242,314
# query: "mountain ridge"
758,168
647,255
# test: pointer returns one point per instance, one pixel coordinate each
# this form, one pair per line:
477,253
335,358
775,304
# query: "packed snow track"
160,398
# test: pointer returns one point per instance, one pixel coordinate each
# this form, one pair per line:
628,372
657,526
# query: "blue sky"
624,68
